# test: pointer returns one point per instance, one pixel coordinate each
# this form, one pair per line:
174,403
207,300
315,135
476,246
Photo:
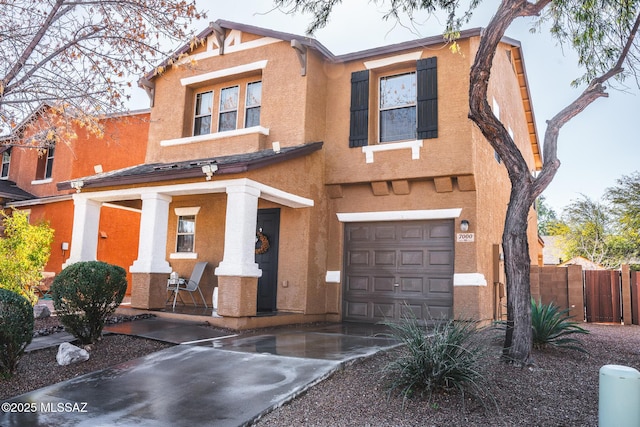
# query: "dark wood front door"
269,226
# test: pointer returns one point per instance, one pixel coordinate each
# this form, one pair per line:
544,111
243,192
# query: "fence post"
625,282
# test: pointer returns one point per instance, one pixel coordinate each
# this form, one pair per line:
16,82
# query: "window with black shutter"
427,98
359,127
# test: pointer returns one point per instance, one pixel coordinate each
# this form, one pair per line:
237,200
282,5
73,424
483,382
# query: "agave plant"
553,327
448,356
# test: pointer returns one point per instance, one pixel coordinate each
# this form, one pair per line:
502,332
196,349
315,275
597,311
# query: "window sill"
415,146
183,255
214,136
41,181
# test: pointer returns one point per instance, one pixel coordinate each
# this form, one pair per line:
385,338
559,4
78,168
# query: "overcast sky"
596,148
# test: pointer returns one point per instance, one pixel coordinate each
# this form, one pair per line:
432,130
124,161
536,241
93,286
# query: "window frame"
182,220
5,166
235,110
48,165
248,107
196,116
380,109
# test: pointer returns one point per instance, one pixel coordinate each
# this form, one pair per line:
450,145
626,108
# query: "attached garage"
390,265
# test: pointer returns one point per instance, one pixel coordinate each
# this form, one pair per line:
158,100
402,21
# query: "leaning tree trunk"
518,338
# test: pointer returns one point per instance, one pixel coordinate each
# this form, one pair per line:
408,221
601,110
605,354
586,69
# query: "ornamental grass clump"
16,330
553,327
448,356
85,294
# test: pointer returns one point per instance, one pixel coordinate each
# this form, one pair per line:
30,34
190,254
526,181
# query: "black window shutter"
359,127
427,98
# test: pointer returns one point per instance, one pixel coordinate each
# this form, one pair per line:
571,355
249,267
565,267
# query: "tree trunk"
518,339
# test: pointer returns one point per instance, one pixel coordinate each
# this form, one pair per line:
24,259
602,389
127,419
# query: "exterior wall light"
77,185
464,225
209,170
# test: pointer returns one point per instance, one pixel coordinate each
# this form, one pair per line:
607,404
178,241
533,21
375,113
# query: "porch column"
238,272
150,271
84,237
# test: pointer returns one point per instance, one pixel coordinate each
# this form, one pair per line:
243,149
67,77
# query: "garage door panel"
385,233
440,257
440,285
412,285
384,258
417,256
358,258
411,258
357,283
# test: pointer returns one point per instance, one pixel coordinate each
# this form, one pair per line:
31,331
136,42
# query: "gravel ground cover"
560,390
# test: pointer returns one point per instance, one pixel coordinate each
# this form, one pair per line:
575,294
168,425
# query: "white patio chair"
190,285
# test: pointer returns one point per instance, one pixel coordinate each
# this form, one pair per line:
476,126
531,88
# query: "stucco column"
151,270
238,272
84,237
152,247
240,233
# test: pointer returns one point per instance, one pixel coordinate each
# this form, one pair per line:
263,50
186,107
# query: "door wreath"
264,243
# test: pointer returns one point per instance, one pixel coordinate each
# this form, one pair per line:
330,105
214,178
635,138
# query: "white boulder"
69,353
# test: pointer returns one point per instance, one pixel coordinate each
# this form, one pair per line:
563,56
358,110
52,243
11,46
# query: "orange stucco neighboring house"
374,191
34,167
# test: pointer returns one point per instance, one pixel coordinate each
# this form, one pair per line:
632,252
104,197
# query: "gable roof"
312,43
155,172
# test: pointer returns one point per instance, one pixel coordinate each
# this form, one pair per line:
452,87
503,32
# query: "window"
202,121
228,109
252,104
186,233
6,160
398,107
45,164
406,104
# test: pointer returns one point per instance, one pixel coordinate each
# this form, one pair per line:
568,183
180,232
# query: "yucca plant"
447,356
553,327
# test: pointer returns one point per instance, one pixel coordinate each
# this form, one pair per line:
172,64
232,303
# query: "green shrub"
448,356
85,294
553,327
16,329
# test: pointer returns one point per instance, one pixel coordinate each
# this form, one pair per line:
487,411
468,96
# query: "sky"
596,148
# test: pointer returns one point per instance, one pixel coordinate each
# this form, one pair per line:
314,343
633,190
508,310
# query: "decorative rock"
40,311
69,353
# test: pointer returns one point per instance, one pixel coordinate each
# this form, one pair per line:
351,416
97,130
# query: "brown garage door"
391,265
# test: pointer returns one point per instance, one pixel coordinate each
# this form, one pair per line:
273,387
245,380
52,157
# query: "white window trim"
41,181
414,146
246,98
411,215
380,109
392,60
225,72
187,211
216,135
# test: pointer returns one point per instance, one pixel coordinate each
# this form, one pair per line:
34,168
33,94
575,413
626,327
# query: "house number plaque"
466,237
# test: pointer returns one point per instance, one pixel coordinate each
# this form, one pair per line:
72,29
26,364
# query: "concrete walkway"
209,380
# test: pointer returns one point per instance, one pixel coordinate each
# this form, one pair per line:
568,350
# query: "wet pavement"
209,380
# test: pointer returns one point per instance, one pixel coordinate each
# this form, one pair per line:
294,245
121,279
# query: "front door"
267,236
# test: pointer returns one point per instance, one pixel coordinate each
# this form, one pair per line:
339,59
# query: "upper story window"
252,104
202,117
6,161
402,107
222,108
398,107
45,164
228,109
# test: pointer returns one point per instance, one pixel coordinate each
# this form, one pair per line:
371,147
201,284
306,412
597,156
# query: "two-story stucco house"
32,166
319,187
